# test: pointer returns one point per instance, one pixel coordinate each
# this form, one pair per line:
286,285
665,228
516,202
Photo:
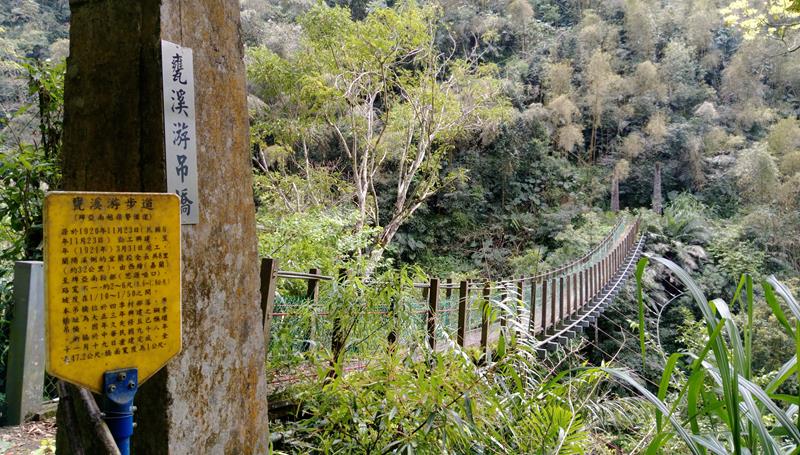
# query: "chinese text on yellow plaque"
112,283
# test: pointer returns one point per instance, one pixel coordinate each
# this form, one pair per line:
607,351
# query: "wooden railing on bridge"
551,306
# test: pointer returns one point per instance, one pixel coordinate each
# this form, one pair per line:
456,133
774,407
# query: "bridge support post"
560,299
575,292
544,304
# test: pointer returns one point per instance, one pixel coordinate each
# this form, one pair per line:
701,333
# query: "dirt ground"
29,438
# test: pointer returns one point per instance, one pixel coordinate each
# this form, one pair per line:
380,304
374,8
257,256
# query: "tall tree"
640,28
779,19
392,99
602,85
657,198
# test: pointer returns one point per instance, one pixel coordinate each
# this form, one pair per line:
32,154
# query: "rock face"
211,398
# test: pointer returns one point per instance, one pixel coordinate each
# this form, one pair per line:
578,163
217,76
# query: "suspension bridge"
550,307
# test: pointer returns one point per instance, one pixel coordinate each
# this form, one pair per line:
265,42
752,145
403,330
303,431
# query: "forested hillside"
495,138
586,97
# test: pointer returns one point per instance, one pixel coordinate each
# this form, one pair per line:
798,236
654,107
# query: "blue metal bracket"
119,388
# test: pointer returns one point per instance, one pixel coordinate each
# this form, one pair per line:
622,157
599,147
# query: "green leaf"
640,266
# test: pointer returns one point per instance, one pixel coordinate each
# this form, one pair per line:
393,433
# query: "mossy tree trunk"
211,398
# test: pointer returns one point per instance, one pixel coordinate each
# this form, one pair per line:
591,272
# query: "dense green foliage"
29,166
404,140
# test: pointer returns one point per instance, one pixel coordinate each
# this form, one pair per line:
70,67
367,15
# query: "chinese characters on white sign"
180,132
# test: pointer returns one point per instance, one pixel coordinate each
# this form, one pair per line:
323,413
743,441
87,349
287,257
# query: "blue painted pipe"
119,388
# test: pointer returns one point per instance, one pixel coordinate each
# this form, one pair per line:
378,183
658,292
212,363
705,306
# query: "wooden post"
611,264
575,292
312,292
520,303
269,278
448,294
603,270
485,311
433,301
26,349
553,304
560,298
568,297
392,337
544,303
463,296
503,313
337,337
586,286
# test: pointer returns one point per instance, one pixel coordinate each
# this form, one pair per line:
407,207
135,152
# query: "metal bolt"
131,385
112,388
121,377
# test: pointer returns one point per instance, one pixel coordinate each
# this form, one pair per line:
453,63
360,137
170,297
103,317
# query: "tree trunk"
614,193
384,239
211,398
657,190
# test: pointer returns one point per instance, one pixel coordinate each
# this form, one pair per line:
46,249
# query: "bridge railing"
468,312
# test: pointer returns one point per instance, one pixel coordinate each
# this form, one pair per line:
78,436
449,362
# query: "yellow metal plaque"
112,266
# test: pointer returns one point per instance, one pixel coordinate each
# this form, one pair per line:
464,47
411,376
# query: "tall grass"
717,407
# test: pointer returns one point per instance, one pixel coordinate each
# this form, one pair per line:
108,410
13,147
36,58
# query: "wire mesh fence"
343,324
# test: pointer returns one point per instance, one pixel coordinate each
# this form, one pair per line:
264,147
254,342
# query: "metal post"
119,388
26,351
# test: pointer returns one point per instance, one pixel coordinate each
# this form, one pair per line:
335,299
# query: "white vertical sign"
180,132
